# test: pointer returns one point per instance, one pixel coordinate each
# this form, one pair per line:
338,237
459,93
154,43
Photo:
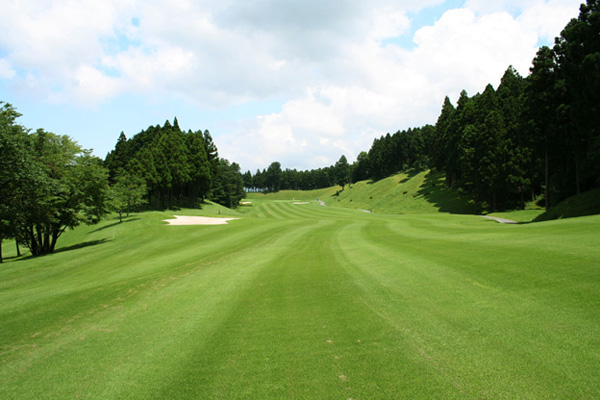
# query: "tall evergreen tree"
578,56
342,172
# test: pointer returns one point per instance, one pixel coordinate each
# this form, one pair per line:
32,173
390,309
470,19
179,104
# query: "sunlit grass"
305,301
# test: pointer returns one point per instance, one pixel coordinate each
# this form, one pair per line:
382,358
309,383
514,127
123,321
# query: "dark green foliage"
577,53
228,187
342,172
273,177
127,193
177,168
14,168
47,184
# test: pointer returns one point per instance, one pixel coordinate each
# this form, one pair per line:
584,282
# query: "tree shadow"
82,245
411,173
445,199
115,224
77,246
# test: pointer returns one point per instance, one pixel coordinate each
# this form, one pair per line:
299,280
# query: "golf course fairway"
301,301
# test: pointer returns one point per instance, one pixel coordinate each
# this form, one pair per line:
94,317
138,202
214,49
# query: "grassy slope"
304,301
295,194
414,193
584,204
419,193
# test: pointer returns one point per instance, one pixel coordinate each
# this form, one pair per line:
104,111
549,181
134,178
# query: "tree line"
273,178
532,137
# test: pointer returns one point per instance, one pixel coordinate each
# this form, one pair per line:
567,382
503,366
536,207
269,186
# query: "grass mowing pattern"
304,301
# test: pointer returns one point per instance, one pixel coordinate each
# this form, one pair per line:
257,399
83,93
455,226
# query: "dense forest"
533,137
177,168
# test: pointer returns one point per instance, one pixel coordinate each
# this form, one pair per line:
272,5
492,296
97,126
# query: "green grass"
300,301
295,194
406,193
587,203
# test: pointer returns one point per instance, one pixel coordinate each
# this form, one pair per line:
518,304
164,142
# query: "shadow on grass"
445,199
77,246
115,224
409,175
82,245
580,205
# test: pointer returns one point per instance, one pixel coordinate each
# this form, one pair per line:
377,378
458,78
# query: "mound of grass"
406,193
587,203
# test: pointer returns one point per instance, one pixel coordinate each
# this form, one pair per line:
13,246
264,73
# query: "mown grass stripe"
464,323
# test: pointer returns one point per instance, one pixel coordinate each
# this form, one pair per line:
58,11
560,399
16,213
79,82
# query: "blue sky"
296,82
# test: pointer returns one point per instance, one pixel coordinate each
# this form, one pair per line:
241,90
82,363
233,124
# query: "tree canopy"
176,167
48,184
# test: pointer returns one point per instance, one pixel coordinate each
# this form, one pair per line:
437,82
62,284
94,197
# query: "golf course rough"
303,301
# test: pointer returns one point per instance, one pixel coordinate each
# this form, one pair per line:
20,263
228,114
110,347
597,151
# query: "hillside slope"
577,206
405,193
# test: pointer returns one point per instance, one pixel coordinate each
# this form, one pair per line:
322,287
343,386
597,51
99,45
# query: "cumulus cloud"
393,88
326,62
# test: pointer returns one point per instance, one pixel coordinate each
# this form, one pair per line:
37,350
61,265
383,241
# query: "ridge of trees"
532,136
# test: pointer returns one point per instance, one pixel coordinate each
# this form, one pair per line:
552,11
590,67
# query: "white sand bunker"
187,220
301,202
246,202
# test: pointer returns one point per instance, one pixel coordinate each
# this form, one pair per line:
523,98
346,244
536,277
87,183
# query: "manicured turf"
404,193
301,301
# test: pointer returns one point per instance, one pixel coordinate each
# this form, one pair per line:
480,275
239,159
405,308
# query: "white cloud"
6,70
379,90
324,60
548,20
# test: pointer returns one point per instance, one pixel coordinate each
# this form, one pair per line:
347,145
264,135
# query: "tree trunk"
547,181
47,243
18,249
1,260
577,174
55,236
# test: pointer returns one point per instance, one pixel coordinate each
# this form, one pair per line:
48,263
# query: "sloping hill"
577,206
406,193
295,194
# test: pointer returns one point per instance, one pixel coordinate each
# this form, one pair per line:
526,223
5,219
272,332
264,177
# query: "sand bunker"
246,202
187,220
301,202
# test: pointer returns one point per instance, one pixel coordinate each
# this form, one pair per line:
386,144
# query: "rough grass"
304,301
